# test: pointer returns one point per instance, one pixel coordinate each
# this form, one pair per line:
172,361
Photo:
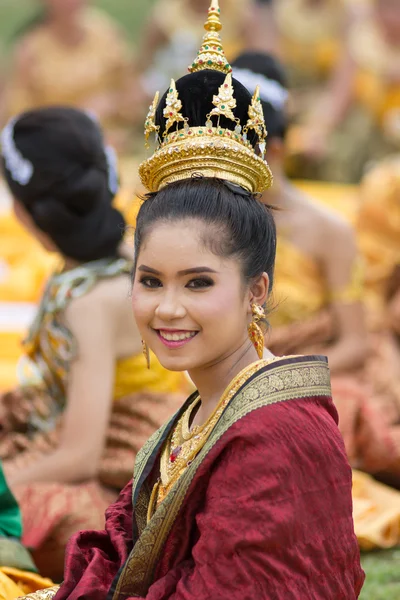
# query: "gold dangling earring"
146,353
255,332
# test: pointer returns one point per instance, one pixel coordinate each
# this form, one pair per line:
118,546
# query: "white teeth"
177,337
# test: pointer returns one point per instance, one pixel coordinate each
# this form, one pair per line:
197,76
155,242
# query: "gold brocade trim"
192,443
46,594
302,377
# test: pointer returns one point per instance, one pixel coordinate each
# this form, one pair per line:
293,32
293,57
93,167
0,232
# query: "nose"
170,307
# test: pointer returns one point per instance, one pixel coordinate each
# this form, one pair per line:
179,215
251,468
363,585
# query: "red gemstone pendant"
175,453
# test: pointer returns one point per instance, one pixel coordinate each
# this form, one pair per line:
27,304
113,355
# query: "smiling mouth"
175,339
176,336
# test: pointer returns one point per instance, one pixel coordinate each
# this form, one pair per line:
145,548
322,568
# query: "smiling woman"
246,492
190,267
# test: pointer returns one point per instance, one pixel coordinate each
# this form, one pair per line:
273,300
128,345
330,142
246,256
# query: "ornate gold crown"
210,151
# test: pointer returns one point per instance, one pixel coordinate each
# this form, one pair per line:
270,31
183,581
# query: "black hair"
196,93
238,224
68,195
268,66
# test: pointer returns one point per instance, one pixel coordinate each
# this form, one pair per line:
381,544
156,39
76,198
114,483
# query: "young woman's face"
191,306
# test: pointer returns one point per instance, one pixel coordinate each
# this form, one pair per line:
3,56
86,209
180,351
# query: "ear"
259,291
275,150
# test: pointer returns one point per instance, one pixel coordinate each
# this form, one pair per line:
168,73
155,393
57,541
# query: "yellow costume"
303,322
377,62
15,583
182,27
60,74
378,228
310,37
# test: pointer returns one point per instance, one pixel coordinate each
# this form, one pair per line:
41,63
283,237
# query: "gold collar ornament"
211,150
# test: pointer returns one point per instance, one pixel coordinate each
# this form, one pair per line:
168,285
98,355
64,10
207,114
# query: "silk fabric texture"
264,510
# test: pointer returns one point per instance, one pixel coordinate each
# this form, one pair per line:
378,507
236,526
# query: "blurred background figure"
358,119
171,38
318,302
87,401
74,54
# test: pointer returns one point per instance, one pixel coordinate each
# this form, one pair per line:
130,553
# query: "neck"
278,194
67,28
211,381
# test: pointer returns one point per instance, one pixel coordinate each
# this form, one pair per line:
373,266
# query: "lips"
175,339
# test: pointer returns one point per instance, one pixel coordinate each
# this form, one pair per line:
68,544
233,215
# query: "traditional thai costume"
256,502
56,74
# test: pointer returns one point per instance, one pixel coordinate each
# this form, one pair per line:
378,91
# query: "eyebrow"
195,270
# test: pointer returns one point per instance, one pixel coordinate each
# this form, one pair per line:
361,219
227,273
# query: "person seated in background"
378,230
246,491
358,119
87,401
307,232
310,35
75,55
18,574
170,39
318,308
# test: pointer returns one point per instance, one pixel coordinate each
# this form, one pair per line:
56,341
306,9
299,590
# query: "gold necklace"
183,444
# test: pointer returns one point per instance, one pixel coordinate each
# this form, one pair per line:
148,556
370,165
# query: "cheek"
142,305
219,307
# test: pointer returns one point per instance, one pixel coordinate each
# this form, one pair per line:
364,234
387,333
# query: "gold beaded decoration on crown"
211,54
211,150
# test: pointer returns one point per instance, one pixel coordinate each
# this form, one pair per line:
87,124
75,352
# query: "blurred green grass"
383,575
14,14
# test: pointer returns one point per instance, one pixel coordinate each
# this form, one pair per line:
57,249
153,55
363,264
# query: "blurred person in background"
358,119
170,39
318,309
378,229
310,34
87,401
75,55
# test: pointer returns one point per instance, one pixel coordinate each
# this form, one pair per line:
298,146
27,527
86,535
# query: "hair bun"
50,215
83,192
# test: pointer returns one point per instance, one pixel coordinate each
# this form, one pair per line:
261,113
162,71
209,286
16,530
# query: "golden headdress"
211,150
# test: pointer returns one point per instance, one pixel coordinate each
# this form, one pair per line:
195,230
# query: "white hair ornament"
21,169
270,90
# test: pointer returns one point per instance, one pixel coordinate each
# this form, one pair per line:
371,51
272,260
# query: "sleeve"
277,520
93,558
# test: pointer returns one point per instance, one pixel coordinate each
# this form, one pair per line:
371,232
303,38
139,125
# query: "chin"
177,363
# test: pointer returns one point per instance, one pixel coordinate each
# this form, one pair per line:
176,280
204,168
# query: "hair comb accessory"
224,102
172,110
20,168
150,123
211,54
211,150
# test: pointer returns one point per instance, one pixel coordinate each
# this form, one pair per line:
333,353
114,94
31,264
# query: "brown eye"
150,282
200,283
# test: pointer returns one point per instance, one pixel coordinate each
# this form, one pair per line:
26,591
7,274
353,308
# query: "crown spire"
211,54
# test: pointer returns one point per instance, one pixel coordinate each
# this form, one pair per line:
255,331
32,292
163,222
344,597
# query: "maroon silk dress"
263,512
